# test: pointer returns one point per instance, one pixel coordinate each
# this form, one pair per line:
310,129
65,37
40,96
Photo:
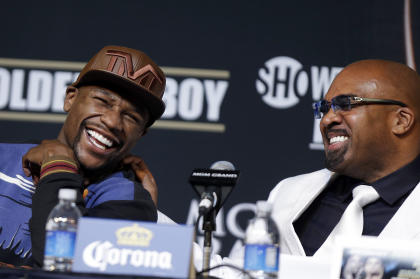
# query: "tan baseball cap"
127,71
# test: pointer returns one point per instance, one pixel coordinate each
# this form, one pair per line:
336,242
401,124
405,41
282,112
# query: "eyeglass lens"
342,102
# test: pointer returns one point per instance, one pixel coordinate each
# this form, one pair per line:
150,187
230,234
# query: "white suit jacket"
293,195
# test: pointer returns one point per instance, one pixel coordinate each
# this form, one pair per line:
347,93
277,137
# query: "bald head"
385,79
370,140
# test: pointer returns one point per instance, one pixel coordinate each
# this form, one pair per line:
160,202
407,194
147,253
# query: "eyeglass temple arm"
382,101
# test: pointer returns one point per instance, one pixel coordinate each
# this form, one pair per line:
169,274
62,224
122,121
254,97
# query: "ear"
403,122
71,94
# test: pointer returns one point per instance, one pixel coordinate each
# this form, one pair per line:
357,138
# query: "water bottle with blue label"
61,231
261,258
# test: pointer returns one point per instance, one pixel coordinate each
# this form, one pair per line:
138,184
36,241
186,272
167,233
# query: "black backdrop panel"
241,80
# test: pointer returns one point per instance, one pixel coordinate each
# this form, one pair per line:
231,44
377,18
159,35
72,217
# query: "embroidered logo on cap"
147,74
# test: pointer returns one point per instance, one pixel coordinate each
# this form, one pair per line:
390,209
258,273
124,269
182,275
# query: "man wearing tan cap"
116,97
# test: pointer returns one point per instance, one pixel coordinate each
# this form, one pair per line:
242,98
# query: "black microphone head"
218,180
222,165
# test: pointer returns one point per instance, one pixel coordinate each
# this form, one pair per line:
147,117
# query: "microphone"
208,201
214,185
222,165
209,197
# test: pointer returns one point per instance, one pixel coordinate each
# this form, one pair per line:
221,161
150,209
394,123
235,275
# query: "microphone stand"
209,226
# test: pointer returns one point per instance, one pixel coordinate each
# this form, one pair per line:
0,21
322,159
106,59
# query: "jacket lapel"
311,186
403,224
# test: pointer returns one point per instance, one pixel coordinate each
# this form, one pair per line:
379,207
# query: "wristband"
58,165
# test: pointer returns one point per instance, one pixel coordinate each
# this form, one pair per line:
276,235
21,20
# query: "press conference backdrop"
241,77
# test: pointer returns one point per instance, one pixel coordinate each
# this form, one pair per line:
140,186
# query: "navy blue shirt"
320,218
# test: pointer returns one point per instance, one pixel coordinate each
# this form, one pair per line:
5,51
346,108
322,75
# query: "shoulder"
295,184
116,187
114,181
15,148
113,187
13,152
11,158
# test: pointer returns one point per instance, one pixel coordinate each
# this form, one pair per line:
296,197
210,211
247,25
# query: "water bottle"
261,258
61,232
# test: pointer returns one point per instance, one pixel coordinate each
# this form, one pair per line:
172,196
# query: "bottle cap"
67,194
264,206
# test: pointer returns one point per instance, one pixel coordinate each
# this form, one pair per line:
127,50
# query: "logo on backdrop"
37,89
283,81
192,99
228,224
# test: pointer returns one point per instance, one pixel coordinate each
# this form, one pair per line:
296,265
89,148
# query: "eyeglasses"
346,102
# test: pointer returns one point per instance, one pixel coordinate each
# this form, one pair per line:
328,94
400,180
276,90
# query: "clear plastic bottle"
261,258
61,231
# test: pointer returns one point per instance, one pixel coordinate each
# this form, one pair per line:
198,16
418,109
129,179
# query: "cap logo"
147,73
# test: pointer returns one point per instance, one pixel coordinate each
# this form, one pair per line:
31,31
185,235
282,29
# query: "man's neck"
374,173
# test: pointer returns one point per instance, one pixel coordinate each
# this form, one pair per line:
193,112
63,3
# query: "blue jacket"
24,208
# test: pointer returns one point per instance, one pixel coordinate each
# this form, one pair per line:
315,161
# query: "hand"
143,174
47,150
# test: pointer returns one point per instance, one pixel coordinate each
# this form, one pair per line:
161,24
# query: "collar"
342,187
390,188
399,183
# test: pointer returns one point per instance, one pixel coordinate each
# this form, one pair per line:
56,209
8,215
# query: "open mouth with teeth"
99,140
337,139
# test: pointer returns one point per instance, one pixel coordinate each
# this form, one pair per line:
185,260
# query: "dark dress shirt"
320,218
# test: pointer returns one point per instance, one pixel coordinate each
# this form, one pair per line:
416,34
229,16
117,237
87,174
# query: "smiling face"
101,127
355,139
